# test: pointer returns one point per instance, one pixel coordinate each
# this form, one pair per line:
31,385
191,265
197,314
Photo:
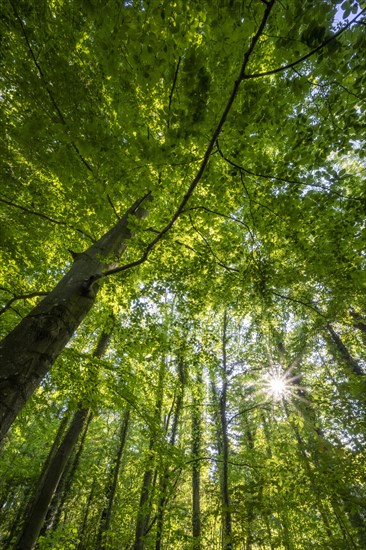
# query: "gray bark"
30,350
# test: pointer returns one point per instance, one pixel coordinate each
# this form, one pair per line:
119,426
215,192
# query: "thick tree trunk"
55,466
30,350
34,523
111,488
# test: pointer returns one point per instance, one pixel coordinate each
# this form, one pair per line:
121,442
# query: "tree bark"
220,399
55,467
58,501
196,473
165,474
351,363
28,538
30,350
112,484
144,509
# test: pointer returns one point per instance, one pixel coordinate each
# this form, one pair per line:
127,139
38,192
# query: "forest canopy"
182,292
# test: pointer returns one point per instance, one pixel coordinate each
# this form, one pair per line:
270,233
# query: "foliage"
246,122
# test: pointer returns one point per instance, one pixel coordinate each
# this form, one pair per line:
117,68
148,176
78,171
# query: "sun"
276,385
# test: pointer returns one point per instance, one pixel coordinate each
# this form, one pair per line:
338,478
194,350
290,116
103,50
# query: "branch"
174,84
248,409
113,208
22,297
284,180
48,90
204,161
310,54
232,218
48,218
306,304
219,262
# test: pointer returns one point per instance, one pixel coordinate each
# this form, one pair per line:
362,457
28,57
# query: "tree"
239,128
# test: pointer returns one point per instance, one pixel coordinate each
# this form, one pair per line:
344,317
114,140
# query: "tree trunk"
220,399
144,509
351,363
58,501
82,530
165,474
34,523
30,350
196,474
55,467
112,485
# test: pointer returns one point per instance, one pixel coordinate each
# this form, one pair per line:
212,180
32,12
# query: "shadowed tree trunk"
30,350
34,522
196,474
351,363
144,509
164,483
55,468
24,511
59,498
111,488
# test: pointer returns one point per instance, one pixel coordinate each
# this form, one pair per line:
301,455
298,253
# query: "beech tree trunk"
351,363
33,525
196,474
55,467
164,483
30,350
220,399
111,488
144,510
58,501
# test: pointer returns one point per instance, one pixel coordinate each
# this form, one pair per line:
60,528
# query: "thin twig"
204,161
48,218
310,54
21,297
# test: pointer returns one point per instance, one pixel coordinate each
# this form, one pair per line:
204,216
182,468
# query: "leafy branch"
48,218
47,87
309,54
20,297
205,160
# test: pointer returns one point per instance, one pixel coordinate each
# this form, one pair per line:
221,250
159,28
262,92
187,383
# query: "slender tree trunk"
34,523
220,400
82,530
164,484
287,543
34,494
249,505
55,510
315,488
30,350
144,509
227,527
196,473
111,488
351,363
